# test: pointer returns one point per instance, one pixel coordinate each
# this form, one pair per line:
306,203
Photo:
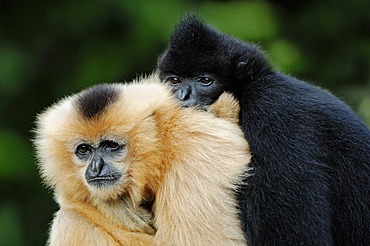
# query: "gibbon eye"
111,145
83,149
174,80
205,80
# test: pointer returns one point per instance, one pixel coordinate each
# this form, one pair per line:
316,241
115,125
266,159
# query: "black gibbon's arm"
311,153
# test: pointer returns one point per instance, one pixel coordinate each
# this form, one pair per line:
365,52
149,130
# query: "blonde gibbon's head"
102,143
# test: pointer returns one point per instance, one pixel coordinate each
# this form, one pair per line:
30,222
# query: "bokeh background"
49,49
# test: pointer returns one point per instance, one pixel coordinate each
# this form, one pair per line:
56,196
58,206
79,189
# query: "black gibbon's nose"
184,93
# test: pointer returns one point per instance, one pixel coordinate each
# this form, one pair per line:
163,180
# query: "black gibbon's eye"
83,149
111,145
174,80
205,80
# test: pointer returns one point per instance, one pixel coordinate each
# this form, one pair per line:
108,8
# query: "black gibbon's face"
197,91
100,161
200,63
196,63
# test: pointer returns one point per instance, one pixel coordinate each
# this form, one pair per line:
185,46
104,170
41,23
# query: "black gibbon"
311,153
130,166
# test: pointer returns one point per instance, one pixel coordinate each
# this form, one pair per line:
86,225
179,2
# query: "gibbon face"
101,144
201,63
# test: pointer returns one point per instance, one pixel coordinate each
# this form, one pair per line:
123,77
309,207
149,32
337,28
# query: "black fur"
94,100
311,153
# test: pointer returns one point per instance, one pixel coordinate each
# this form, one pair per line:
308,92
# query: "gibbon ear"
241,65
243,69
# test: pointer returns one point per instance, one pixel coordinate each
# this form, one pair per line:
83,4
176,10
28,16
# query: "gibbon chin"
129,166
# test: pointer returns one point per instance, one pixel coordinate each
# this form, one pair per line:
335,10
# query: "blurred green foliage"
49,49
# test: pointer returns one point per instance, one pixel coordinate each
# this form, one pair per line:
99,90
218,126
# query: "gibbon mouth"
103,180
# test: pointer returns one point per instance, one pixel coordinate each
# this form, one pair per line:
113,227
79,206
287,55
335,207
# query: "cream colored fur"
189,161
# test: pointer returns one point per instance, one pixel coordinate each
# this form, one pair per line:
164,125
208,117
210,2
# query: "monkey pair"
129,166
311,158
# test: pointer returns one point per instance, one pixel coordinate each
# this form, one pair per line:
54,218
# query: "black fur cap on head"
93,101
196,48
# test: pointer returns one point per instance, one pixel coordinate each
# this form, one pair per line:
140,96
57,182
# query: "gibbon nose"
97,166
184,93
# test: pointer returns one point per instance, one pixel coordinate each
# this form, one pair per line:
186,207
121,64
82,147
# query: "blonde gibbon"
129,166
